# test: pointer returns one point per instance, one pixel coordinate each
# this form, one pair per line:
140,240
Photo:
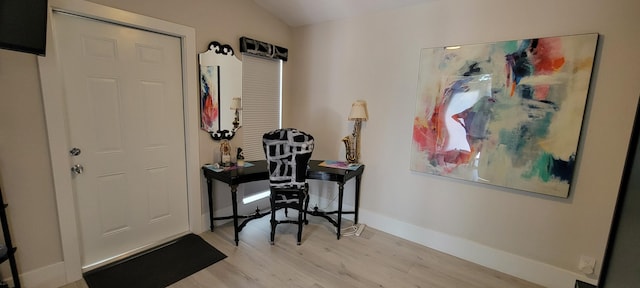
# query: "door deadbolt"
75,151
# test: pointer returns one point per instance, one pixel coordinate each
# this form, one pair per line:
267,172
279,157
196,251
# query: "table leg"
210,194
340,196
357,208
234,204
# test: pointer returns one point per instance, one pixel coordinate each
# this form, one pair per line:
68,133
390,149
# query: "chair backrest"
288,152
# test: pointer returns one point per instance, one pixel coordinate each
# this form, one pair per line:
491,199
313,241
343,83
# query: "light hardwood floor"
375,259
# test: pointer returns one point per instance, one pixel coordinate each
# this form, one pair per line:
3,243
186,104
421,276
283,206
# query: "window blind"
261,111
261,102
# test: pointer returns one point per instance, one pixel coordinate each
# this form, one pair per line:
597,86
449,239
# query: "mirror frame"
220,81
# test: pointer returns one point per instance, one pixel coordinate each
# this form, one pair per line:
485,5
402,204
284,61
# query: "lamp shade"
359,110
236,103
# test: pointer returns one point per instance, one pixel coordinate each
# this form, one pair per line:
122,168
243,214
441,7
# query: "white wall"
25,166
375,58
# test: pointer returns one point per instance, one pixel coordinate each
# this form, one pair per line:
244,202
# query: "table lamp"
358,114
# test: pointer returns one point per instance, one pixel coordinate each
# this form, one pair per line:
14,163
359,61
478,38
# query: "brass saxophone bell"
350,148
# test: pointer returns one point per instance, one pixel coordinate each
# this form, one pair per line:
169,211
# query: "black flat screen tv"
23,25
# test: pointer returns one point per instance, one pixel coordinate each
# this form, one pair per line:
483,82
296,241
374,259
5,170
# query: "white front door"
124,103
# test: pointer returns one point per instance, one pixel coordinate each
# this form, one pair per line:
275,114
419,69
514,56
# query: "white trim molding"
51,276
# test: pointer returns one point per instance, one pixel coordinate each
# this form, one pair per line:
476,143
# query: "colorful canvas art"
506,113
209,110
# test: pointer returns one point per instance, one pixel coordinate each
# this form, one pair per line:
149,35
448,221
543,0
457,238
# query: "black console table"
239,175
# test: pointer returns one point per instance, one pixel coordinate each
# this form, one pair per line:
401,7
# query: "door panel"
123,94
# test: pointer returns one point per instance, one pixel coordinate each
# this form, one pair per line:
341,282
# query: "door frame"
57,126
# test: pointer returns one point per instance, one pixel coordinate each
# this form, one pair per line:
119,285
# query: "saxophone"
350,145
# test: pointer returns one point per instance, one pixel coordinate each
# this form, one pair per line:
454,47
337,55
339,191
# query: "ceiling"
306,12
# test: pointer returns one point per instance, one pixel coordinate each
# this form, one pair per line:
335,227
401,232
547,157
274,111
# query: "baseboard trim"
515,265
51,276
226,211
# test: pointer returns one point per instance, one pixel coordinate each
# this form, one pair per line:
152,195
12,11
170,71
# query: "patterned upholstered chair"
288,152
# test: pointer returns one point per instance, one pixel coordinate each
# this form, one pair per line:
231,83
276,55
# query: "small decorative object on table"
240,158
340,164
225,153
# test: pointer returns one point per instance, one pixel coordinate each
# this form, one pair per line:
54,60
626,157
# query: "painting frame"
505,113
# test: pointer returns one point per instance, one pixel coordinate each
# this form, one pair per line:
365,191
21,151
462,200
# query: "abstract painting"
505,113
209,110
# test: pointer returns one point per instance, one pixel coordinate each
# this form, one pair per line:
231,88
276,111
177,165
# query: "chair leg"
300,212
306,204
273,222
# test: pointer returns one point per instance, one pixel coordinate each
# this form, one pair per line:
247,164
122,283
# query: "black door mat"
159,267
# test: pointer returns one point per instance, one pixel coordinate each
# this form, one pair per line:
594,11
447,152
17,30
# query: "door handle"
77,169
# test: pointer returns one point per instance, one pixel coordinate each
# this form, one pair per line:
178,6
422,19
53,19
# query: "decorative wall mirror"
220,91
